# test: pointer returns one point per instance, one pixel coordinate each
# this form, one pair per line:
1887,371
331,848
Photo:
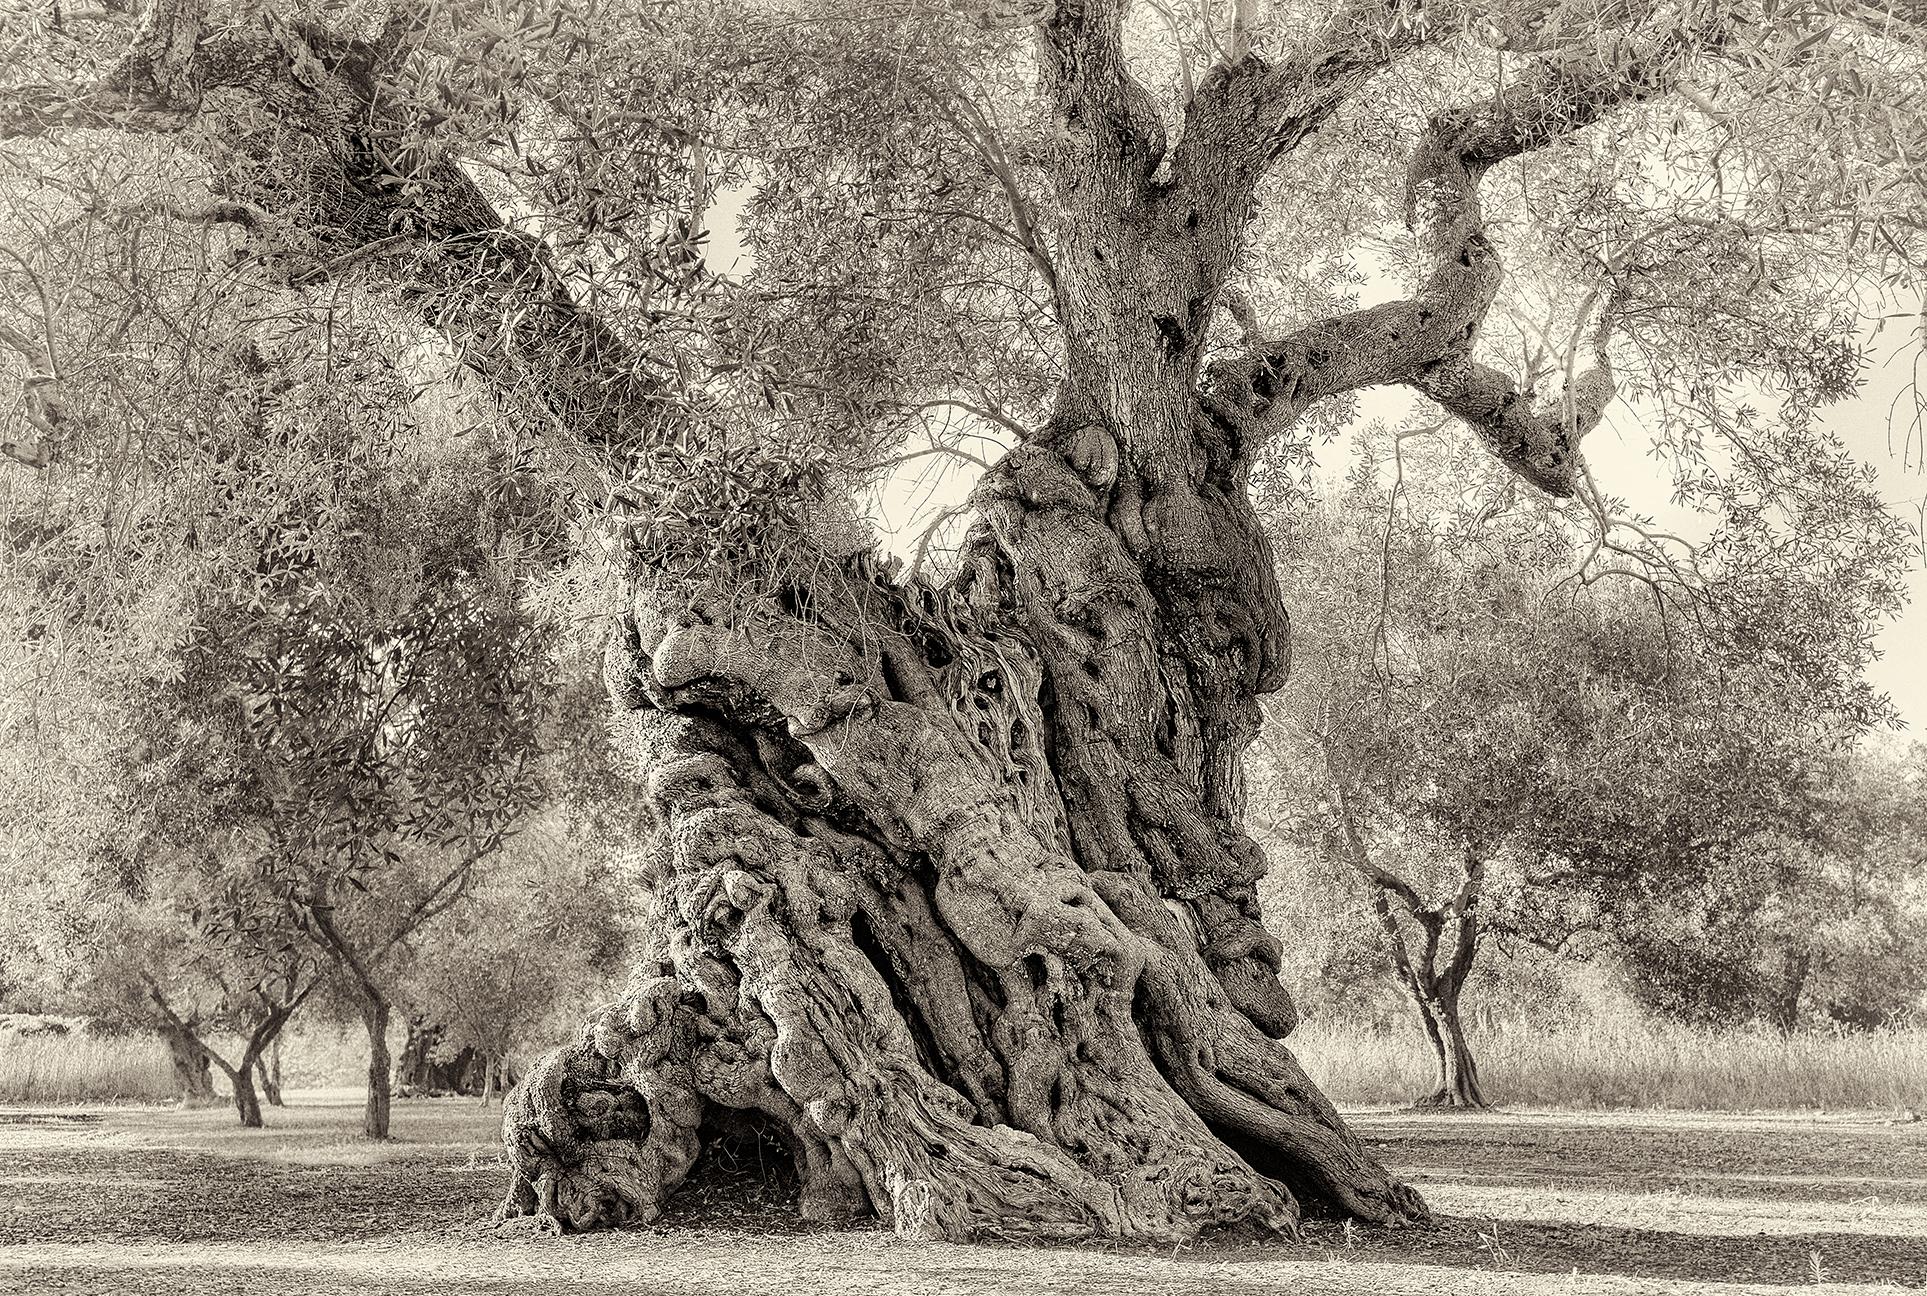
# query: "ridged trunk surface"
949,882
950,879
192,1072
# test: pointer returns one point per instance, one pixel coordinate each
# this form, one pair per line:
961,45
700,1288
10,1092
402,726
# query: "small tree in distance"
386,760
196,949
529,949
1471,714
1813,917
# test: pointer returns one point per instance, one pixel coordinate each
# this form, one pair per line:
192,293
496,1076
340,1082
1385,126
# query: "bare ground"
103,1200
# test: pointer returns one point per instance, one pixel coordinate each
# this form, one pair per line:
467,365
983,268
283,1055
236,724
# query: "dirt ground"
101,1200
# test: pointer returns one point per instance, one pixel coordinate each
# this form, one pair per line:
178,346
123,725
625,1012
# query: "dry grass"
1612,1063
1606,1064
79,1068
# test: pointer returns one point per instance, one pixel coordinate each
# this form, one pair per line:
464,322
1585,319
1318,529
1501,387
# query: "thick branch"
1109,121
1538,440
1427,341
340,198
1248,113
44,410
1360,858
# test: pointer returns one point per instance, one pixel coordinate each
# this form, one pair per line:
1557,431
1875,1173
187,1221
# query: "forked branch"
1248,112
1427,340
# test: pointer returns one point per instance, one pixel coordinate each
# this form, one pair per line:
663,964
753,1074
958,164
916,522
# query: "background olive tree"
1496,741
528,954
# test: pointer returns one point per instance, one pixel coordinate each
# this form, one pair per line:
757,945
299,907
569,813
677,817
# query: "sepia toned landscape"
963,645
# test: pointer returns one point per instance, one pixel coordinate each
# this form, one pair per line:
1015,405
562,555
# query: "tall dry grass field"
1613,1063
1627,1063
79,1068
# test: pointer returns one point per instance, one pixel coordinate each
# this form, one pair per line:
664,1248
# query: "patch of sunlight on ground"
1678,1212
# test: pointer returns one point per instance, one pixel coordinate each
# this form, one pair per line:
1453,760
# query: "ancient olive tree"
947,879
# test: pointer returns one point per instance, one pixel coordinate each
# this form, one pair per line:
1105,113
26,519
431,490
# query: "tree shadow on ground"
1735,1185
1769,1160
1501,1195
172,1195
1539,1246
167,1195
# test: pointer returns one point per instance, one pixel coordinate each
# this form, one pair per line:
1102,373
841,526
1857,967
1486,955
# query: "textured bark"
374,1019
426,1069
949,882
874,924
192,1071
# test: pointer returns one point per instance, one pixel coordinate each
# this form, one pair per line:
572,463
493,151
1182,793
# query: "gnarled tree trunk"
943,886
192,1071
949,881
1432,968
426,1069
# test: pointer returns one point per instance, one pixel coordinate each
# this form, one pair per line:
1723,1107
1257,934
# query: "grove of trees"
1494,747
374,380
